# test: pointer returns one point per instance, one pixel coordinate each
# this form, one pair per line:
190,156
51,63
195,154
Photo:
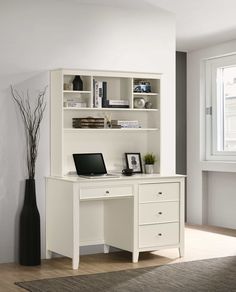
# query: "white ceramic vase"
149,168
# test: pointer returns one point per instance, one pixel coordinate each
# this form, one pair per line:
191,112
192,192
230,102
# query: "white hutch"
138,213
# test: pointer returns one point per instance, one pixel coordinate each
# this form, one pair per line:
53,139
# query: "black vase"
77,83
30,250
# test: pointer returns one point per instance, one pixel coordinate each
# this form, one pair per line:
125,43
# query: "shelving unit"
113,143
110,109
109,130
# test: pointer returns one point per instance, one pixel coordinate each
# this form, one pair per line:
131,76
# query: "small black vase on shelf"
30,247
77,83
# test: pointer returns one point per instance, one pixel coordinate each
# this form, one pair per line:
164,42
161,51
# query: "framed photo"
133,161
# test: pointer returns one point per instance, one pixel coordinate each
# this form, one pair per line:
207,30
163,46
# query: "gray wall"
181,151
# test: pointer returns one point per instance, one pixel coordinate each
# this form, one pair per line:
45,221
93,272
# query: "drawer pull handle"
159,213
159,234
159,193
107,192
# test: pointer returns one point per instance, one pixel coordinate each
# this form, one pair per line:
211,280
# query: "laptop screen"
89,164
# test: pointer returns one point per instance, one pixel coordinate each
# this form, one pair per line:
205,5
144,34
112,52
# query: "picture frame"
133,161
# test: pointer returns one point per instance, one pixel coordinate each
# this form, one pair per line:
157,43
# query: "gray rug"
206,275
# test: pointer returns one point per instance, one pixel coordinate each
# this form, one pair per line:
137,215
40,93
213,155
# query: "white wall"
210,185
37,36
221,199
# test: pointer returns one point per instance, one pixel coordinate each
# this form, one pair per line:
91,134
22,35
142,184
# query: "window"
221,108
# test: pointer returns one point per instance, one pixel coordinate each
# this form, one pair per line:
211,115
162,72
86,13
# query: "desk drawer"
103,192
158,192
158,235
150,213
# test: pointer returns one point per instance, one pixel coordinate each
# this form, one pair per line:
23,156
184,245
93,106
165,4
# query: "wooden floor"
200,243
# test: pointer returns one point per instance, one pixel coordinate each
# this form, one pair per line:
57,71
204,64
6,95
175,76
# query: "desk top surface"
119,177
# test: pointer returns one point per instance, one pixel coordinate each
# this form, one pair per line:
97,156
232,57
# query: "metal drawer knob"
159,213
159,234
159,193
107,192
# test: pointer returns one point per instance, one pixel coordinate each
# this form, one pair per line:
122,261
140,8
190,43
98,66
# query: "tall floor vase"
30,251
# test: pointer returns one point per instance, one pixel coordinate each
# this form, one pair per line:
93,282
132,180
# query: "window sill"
221,166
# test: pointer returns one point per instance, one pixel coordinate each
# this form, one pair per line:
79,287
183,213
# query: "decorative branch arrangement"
32,118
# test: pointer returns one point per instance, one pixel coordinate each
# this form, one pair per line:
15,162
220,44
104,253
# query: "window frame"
213,109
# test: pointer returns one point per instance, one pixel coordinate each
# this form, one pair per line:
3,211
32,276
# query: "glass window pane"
229,114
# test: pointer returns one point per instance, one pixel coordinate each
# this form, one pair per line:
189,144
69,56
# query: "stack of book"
124,124
100,97
89,122
116,103
74,103
99,93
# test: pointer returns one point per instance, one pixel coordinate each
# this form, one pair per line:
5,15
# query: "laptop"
91,165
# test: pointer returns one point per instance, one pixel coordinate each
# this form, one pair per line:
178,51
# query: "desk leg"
76,233
181,251
75,262
106,248
135,256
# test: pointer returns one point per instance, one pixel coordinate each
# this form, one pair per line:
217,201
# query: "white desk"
137,213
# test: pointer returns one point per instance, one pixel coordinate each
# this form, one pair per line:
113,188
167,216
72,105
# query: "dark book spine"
104,95
93,93
117,106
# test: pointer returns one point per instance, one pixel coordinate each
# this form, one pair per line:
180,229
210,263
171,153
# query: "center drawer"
158,192
150,213
103,192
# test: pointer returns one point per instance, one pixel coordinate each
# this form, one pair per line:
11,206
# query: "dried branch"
32,119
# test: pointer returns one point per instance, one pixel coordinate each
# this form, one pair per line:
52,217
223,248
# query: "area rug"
205,275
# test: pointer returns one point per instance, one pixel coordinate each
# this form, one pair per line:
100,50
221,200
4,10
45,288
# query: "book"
117,102
125,124
116,126
97,93
113,103
117,106
76,104
88,122
104,93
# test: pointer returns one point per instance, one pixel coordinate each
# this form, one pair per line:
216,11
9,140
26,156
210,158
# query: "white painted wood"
109,130
104,192
158,192
76,224
111,109
108,212
120,221
158,234
135,256
111,74
59,217
91,215
65,140
181,252
182,216
106,248
146,94
77,91
158,212
112,144
75,262
159,247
